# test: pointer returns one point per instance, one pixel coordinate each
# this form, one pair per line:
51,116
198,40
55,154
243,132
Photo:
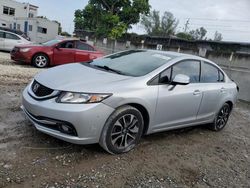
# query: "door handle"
197,92
222,89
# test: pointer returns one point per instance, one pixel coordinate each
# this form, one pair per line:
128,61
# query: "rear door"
85,52
214,91
11,40
64,53
2,40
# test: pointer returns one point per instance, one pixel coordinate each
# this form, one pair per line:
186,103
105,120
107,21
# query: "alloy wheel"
223,117
41,61
125,131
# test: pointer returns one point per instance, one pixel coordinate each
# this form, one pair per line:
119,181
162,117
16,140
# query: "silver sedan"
117,99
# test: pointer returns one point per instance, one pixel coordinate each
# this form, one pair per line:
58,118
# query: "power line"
226,30
220,20
211,25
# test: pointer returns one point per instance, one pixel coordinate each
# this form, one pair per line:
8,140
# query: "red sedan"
55,52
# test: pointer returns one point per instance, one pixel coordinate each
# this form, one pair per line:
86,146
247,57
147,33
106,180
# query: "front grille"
40,90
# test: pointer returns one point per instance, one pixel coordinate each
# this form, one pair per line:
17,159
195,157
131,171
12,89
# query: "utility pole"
186,25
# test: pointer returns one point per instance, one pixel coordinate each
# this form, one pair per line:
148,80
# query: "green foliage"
198,34
217,36
110,18
185,36
159,26
79,22
66,34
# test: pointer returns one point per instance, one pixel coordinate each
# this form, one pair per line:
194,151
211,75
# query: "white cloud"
229,17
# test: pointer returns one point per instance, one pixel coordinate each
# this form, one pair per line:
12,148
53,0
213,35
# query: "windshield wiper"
110,69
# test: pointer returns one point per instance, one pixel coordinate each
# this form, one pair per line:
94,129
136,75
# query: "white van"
8,40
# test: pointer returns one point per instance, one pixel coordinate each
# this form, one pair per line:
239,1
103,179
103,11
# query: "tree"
185,36
198,34
110,18
217,36
159,26
79,22
66,34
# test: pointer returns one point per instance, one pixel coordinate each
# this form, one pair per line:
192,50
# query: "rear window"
83,46
210,73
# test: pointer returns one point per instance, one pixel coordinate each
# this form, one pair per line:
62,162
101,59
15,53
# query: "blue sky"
229,17
60,10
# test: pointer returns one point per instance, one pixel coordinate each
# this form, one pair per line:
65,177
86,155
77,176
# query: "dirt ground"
193,157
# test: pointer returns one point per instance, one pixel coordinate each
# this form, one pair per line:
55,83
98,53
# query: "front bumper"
22,57
87,119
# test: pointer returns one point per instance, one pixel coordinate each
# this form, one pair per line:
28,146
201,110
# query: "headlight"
24,49
70,97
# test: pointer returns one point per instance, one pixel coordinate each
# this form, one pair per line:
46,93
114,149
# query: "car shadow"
60,145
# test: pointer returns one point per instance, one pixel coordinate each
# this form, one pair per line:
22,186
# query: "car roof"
180,55
175,54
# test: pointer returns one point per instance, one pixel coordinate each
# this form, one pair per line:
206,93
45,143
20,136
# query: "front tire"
40,60
122,131
221,118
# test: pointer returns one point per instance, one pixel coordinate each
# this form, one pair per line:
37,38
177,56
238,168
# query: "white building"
23,16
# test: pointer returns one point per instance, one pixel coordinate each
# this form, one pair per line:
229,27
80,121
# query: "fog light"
64,128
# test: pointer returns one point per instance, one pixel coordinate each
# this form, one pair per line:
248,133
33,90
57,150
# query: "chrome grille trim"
30,91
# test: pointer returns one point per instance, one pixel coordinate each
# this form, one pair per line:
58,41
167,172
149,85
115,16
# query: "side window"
68,44
83,46
165,76
1,34
190,68
221,76
11,36
210,73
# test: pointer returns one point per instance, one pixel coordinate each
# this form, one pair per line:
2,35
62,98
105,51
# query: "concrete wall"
238,70
21,16
22,10
237,67
35,36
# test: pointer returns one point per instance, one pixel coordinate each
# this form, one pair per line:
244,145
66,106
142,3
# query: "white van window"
11,36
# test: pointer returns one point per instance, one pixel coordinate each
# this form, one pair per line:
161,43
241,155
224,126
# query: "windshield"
133,62
51,42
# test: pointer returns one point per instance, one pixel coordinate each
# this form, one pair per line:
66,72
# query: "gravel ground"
193,157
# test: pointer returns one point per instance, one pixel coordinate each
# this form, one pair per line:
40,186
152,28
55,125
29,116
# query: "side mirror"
57,47
181,79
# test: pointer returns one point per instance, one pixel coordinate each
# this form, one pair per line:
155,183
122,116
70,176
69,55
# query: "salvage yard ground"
193,157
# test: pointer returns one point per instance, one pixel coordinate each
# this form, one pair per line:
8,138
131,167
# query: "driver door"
178,104
64,53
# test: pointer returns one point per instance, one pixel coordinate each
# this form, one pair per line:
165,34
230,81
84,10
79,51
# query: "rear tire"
221,118
40,60
122,131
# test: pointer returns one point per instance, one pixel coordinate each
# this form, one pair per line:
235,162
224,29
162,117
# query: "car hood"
29,45
80,78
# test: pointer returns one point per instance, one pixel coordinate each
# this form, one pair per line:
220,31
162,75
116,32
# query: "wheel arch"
230,103
144,112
